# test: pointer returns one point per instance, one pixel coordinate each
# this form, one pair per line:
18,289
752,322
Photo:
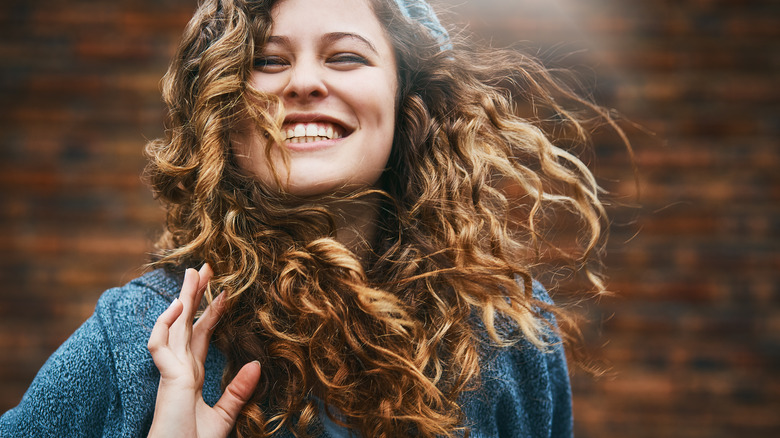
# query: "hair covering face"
421,12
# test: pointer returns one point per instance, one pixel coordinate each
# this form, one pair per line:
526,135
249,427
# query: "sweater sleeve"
525,391
71,394
102,381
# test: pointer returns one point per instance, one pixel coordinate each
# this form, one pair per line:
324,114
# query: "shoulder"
524,390
102,378
136,305
152,290
126,316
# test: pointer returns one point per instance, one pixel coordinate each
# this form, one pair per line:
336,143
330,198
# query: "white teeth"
306,139
305,132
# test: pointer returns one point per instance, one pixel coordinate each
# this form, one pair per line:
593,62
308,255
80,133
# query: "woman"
366,200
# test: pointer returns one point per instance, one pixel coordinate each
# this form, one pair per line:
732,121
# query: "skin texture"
179,349
328,61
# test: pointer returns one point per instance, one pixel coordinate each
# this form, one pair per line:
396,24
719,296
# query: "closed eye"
347,58
270,64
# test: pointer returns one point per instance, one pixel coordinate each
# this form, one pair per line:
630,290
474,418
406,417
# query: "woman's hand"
179,351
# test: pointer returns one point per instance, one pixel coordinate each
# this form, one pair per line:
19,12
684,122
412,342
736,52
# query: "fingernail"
173,302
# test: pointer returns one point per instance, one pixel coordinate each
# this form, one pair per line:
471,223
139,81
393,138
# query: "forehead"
303,18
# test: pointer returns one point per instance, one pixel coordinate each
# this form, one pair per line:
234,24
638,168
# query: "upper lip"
316,117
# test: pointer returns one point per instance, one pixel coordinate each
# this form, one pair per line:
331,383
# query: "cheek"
249,153
271,84
244,153
390,108
379,102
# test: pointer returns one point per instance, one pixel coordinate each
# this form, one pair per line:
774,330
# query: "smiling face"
332,65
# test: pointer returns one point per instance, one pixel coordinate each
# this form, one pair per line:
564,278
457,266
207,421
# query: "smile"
311,132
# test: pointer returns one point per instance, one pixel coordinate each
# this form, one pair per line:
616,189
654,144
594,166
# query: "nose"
306,82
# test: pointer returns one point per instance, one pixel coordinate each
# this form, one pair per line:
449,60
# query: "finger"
170,314
188,295
204,275
203,329
238,392
205,272
159,335
181,329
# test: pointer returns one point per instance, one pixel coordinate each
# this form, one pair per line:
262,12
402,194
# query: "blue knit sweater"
102,381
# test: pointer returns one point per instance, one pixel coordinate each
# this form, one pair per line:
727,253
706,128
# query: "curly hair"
388,341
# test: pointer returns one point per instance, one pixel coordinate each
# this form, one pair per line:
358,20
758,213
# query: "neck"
356,222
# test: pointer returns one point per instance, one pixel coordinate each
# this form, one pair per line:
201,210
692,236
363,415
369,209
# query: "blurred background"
692,335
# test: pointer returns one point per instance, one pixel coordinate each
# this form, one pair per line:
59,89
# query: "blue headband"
421,12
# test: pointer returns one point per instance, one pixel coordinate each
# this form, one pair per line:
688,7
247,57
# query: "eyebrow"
328,38
335,36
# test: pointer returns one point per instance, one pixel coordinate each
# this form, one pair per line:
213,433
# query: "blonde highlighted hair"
389,341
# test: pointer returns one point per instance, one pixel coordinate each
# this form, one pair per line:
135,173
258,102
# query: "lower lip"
312,145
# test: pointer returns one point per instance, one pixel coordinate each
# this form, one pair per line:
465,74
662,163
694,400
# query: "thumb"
238,392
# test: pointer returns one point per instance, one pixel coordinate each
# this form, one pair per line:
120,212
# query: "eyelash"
269,61
339,58
348,58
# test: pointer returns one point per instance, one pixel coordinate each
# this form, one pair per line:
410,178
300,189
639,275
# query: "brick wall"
692,338
79,95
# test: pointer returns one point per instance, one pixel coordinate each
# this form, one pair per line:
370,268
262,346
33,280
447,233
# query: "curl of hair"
390,342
